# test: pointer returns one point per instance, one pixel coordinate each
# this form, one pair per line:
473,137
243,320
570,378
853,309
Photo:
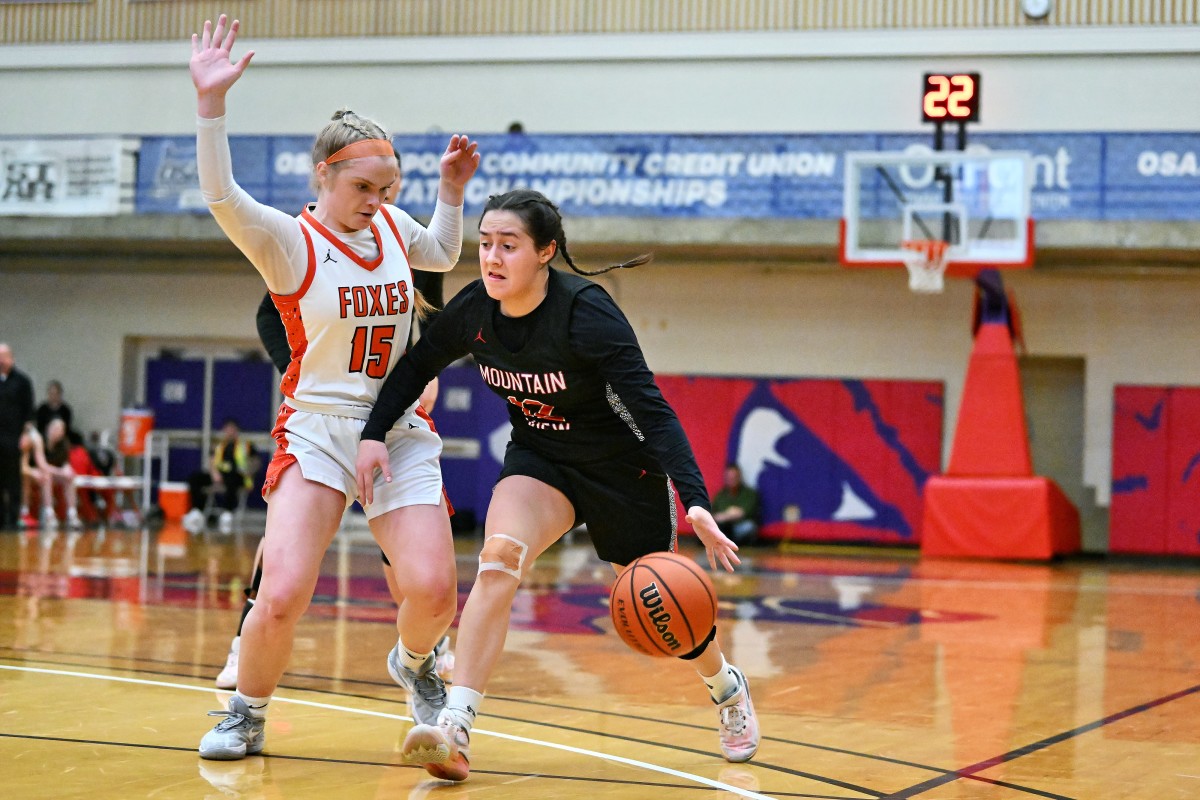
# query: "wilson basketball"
663,604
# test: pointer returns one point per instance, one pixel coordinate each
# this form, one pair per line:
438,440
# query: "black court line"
560,706
490,697
388,765
1012,755
944,776
872,793
694,751
812,746
1007,785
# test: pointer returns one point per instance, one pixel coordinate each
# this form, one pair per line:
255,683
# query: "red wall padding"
849,457
1155,505
1183,472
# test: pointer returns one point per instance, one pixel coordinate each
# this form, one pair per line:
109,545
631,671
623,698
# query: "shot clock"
950,97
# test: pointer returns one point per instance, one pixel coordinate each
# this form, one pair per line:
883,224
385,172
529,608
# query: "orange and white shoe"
443,749
739,725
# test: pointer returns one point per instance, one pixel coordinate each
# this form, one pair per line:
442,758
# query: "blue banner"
1078,176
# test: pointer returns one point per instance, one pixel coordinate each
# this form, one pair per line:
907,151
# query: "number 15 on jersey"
371,349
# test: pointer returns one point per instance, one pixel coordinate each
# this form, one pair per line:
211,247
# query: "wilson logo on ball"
663,604
652,602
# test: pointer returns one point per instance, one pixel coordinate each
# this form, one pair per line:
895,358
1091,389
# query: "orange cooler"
135,424
173,500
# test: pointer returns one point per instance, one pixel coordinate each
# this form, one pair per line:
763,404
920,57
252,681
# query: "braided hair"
345,128
543,222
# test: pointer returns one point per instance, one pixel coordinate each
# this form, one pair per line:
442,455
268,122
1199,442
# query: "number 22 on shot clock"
950,97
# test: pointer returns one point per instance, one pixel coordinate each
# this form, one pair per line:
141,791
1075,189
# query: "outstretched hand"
717,545
372,455
212,70
460,161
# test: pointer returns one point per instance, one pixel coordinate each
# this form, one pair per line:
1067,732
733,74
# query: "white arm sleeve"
268,237
436,248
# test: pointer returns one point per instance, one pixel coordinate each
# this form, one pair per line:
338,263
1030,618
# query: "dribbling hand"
717,545
212,71
372,455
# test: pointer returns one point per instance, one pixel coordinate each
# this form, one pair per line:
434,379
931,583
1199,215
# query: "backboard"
977,203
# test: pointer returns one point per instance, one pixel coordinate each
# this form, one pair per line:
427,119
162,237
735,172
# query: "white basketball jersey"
348,322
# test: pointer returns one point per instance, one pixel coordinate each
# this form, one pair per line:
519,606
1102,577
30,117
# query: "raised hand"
459,163
212,70
717,545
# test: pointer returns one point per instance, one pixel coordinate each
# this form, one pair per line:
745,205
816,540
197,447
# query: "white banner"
65,177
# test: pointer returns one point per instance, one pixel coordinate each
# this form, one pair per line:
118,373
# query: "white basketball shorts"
325,447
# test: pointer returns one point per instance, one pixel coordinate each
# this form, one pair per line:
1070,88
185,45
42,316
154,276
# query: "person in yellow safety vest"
230,473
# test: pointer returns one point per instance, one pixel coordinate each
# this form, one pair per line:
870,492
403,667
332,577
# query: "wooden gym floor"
876,674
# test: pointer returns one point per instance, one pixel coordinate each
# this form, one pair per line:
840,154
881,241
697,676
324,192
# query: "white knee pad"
503,554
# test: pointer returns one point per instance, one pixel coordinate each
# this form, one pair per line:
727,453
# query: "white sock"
257,705
462,704
722,685
410,660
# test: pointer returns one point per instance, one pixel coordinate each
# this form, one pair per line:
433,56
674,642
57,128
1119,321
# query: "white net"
926,263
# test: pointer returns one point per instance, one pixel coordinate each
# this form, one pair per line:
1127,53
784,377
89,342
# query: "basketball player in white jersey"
341,278
273,335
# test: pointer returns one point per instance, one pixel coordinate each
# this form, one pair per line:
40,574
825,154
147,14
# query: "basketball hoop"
926,262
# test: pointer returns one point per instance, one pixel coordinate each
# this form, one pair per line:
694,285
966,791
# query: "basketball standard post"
942,212
945,98
965,213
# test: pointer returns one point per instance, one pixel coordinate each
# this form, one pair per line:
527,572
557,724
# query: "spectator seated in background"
97,460
62,476
104,458
53,408
35,478
230,476
736,508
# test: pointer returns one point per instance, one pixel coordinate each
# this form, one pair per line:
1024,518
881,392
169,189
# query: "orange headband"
361,148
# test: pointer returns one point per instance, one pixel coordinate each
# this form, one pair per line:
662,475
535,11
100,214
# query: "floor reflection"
882,671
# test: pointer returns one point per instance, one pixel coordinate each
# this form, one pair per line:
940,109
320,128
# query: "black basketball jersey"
572,375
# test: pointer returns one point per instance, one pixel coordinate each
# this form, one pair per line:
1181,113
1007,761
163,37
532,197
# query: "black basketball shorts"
627,503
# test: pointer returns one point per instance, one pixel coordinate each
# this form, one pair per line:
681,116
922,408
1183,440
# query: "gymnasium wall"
109,20
691,319
1034,80
801,317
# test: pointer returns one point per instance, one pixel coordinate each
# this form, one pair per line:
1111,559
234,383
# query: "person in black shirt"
53,408
593,442
16,411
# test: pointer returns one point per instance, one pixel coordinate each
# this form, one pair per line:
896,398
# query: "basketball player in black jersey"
593,441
